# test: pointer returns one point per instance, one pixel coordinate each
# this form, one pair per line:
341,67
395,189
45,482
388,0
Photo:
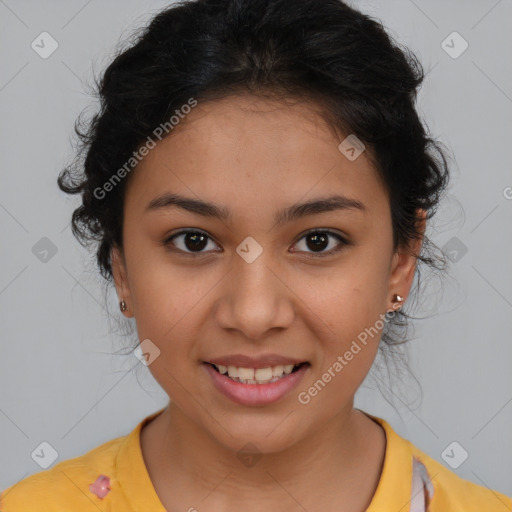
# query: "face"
255,282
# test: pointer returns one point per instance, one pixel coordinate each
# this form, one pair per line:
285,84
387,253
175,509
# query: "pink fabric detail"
101,487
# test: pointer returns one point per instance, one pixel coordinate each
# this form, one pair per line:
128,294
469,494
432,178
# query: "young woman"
259,183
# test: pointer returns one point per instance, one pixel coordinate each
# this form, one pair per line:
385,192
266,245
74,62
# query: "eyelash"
343,242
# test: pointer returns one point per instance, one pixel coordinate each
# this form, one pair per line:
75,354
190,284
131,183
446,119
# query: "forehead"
240,148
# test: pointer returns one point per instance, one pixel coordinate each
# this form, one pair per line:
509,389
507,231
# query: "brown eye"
318,240
188,241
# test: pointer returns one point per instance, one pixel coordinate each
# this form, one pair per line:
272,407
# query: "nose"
255,298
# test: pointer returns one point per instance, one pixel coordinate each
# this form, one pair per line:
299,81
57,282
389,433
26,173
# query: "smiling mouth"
257,375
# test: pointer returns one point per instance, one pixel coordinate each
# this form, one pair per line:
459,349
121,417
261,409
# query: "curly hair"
323,51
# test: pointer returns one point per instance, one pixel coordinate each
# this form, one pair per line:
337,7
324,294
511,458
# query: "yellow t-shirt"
411,481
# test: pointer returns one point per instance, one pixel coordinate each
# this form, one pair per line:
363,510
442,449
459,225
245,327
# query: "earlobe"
120,279
405,261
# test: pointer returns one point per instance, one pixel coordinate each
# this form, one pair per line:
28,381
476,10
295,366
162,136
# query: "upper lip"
261,361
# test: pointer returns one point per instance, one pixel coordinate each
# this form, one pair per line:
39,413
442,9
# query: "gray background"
60,380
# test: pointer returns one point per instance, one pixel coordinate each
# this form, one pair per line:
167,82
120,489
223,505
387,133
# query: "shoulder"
65,485
448,491
411,476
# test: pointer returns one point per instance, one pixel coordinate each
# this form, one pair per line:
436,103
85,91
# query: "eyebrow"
294,212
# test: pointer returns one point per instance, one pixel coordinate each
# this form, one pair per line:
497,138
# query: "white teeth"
288,368
277,371
263,374
232,371
245,373
256,375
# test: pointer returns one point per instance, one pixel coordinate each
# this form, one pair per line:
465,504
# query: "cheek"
162,291
348,312
350,297
169,304
346,350
160,303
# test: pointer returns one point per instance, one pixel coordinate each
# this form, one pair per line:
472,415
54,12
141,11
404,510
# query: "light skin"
257,157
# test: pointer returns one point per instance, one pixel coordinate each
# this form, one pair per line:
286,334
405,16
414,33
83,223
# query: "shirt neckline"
132,472
393,490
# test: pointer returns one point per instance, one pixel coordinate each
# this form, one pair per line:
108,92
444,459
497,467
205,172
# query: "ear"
404,262
121,279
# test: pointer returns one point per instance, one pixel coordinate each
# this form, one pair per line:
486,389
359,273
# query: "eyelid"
329,231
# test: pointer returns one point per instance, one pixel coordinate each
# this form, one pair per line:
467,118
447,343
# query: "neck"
343,459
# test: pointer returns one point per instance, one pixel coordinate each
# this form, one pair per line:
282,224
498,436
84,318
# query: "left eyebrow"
294,212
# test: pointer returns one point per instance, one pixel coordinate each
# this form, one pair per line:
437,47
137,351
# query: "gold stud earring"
397,298
122,305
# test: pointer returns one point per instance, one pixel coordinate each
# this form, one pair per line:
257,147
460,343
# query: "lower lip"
256,394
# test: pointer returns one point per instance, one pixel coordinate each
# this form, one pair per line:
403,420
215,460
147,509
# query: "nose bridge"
253,256
255,300
252,271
